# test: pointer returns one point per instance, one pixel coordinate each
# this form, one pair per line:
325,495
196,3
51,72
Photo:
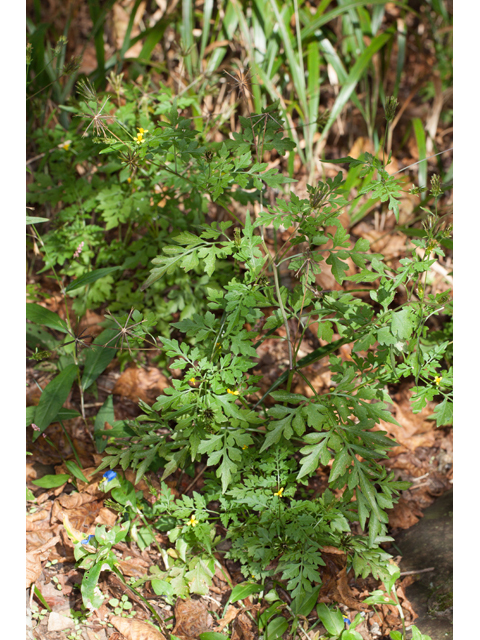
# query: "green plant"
262,444
38,614
261,453
122,607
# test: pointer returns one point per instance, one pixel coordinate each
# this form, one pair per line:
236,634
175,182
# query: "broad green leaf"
39,315
105,414
331,620
53,397
92,598
303,606
244,590
52,481
162,588
351,635
90,277
75,470
417,635
276,628
38,337
67,414
199,578
98,359
30,415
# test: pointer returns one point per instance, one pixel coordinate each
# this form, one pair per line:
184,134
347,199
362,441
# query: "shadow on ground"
429,543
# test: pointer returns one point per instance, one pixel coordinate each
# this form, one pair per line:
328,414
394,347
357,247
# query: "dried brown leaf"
106,517
403,515
191,619
232,613
136,630
75,500
143,384
135,568
35,558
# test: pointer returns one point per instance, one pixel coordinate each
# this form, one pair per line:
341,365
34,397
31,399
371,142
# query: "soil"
429,544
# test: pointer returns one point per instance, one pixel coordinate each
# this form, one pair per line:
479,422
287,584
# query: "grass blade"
319,21
422,152
353,78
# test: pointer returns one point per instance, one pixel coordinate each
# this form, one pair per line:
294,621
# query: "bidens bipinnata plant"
260,448
261,451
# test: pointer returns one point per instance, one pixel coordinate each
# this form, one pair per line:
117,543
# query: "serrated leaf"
338,267
310,462
443,413
339,464
402,324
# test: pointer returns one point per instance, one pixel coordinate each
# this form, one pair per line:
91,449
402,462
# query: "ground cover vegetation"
187,197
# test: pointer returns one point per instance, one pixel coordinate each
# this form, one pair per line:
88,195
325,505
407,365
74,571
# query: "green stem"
71,444
149,527
139,595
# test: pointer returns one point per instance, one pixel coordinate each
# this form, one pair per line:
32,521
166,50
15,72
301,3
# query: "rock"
57,622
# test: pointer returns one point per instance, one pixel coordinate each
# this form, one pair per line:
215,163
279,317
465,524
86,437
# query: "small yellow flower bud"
279,492
233,393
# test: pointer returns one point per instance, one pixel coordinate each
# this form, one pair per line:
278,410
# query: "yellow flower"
233,393
142,131
129,179
279,492
192,380
66,146
245,446
438,379
140,139
193,521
